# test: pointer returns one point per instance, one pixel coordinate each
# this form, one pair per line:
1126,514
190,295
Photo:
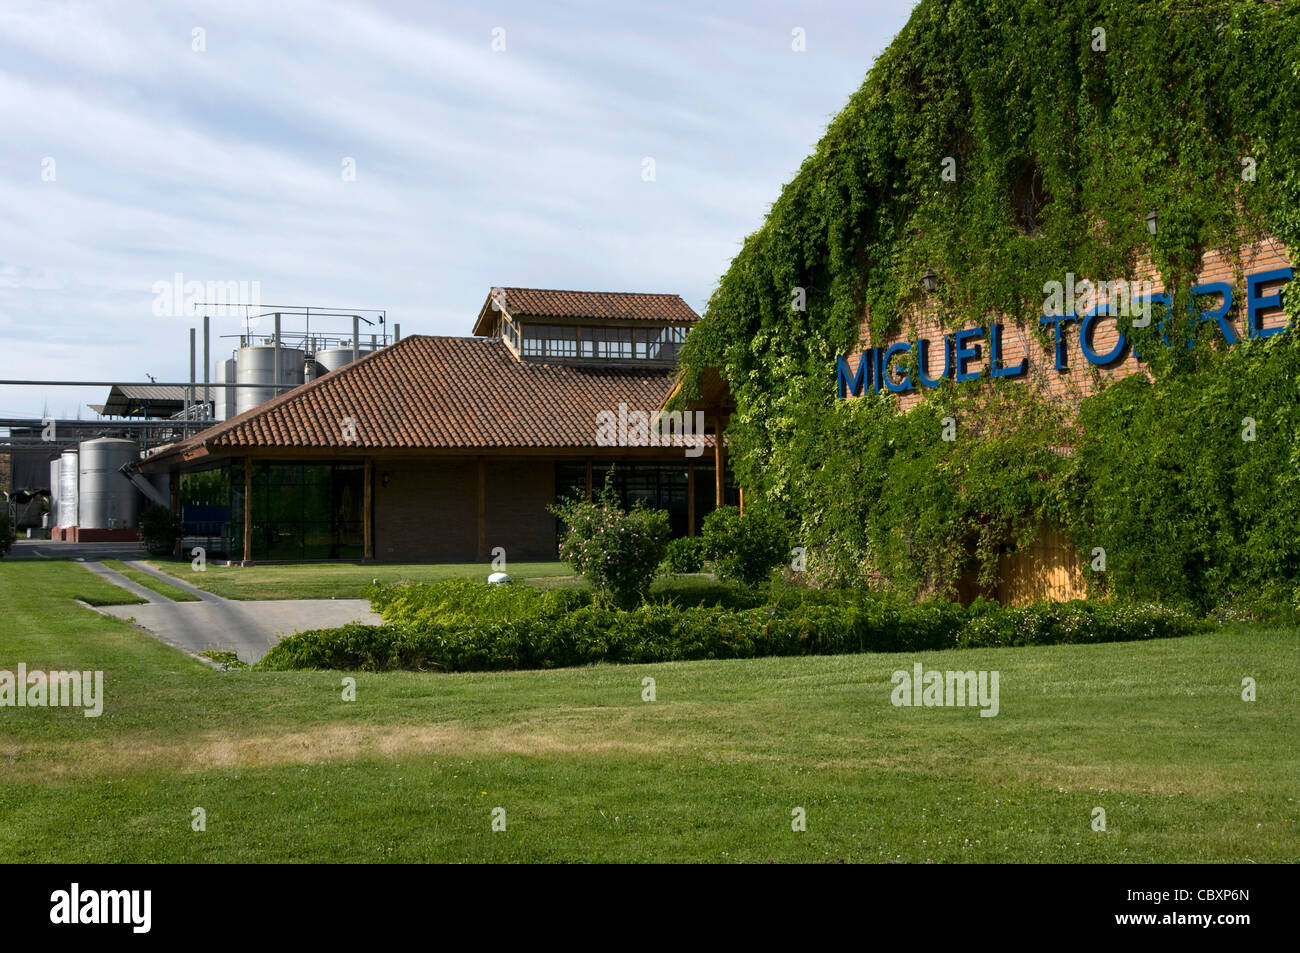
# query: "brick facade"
1081,377
1050,569
428,512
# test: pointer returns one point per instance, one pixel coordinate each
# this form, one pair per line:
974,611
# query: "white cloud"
473,167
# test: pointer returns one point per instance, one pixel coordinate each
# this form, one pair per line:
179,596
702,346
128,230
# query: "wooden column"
690,497
742,499
174,501
719,463
367,509
589,479
482,508
248,509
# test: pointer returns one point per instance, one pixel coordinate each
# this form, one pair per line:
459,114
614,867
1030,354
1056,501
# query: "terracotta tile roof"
586,305
439,393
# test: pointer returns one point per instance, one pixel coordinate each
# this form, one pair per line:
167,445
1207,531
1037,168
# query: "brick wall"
1051,569
1081,377
518,493
429,510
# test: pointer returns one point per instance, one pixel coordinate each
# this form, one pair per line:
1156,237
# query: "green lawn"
344,581
152,583
1156,733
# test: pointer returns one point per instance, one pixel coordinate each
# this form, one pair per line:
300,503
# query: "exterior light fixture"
1151,222
930,280
383,480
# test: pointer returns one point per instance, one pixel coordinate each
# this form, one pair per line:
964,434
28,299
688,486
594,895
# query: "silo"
54,492
256,365
223,398
107,499
332,358
68,477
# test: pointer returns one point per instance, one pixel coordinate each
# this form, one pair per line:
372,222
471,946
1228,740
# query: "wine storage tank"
256,365
54,492
223,398
107,499
68,477
332,358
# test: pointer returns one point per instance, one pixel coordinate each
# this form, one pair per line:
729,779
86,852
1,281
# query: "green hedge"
551,630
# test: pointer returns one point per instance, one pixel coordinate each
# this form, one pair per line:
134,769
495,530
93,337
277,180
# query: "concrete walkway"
45,549
247,628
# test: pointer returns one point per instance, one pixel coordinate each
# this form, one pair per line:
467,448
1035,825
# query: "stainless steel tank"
54,492
107,499
223,398
332,358
256,365
68,479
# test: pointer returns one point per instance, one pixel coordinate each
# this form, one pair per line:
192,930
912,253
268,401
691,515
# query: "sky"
397,156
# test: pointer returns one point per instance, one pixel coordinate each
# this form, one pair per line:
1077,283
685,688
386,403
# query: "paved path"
247,628
45,549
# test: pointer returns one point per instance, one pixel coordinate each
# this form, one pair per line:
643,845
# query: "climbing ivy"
1065,122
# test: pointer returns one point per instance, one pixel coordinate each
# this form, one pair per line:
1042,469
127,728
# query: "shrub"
434,628
161,530
684,555
617,551
745,547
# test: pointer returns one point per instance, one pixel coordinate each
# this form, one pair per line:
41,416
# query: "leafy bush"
747,546
684,555
453,601
160,530
616,551
433,628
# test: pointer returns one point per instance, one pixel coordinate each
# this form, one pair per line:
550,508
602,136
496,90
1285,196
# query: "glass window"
660,486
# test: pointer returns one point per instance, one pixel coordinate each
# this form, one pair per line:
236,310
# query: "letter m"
849,384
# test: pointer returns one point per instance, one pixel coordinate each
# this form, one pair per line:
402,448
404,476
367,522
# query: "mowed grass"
152,583
1155,733
344,581
81,583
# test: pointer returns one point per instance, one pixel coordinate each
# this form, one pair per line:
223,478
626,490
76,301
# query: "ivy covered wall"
1061,124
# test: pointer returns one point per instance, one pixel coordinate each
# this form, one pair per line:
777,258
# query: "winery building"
448,448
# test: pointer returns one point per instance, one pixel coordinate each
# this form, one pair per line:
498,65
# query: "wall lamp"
1151,223
930,281
383,479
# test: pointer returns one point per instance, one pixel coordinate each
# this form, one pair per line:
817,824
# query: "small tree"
745,547
160,530
616,550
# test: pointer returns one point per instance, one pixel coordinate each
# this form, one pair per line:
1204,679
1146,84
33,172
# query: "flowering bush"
616,550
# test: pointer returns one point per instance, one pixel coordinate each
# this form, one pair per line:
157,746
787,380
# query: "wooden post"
367,509
589,479
719,464
742,499
690,498
482,508
174,491
248,509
